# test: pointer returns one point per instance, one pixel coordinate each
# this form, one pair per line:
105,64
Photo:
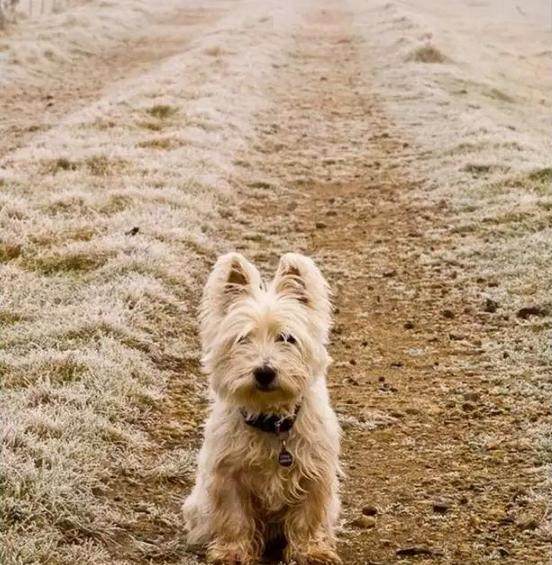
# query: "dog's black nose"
264,376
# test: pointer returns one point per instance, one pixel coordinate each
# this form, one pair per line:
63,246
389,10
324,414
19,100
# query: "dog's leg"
235,536
309,526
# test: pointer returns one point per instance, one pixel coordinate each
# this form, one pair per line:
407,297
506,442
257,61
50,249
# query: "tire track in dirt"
409,381
31,109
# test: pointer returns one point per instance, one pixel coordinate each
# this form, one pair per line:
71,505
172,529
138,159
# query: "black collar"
271,423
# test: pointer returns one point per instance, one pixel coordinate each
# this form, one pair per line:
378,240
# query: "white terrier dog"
269,463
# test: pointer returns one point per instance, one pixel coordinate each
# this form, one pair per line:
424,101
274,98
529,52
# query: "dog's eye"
286,338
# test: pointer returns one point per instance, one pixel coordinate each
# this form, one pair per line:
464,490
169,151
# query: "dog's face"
264,345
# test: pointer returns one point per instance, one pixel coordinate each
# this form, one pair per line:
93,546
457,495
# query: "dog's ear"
232,278
299,278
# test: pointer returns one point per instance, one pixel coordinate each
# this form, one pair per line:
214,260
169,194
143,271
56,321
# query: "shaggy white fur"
242,494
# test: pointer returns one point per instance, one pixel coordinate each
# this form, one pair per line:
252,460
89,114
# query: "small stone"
413,551
364,522
448,314
528,311
456,337
491,305
320,225
352,361
506,520
528,524
440,506
369,510
352,380
408,325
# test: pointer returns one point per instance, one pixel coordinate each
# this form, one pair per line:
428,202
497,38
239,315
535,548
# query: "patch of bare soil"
30,109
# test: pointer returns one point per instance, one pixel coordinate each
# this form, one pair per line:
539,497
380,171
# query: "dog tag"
285,458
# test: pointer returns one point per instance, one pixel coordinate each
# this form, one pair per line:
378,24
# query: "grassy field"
140,140
104,239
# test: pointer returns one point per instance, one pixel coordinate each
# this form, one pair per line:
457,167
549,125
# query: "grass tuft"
497,94
542,176
214,51
66,370
477,169
116,203
426,54
73,261
151,126
97,165
164,143
102,166
57,370
162,111
9,251
60,164
10,317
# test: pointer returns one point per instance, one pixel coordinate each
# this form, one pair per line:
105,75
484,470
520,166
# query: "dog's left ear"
299,278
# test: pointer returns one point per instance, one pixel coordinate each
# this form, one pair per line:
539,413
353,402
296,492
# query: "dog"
269,463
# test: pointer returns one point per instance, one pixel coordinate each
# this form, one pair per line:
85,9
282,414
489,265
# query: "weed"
426,54
162,111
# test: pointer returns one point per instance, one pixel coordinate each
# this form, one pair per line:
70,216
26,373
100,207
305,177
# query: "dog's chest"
274,487
270,483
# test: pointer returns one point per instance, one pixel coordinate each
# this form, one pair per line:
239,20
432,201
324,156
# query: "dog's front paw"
229,554
315,555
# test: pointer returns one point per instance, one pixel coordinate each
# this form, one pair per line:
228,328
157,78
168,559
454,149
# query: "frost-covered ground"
104,226
55,42
123,177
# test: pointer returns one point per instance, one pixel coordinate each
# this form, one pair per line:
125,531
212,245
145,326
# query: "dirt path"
437,467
